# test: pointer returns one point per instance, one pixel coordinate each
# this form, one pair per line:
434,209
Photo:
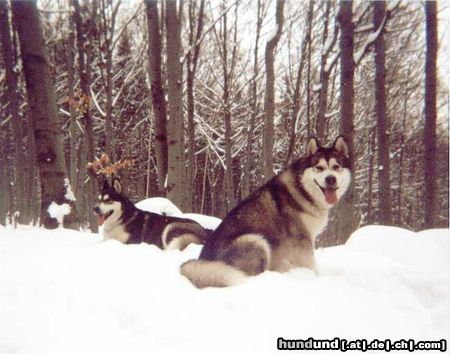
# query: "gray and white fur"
276,226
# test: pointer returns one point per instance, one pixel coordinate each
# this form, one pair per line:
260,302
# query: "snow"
329,42
274,33
160,206
69,194
371,38
165,206
65,291
317,87
58,211
208,222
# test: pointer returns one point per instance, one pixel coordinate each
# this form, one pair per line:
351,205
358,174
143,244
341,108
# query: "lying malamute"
276,226
121,220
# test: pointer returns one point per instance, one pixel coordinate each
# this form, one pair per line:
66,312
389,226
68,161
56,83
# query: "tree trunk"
346,223
269,98
108,18
247,168
296,99
5,182
402,153
43,111
13,110
383,126
324,76
371,143
429,137
84,61
191,63
176,177
157,91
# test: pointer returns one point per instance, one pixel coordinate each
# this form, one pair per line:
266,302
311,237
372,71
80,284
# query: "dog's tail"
247,255
203,273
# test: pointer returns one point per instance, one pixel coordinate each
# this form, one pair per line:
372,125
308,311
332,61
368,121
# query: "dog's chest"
314,224
117,232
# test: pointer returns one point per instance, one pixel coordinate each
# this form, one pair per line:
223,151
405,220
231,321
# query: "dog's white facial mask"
109,209
327,181
321,174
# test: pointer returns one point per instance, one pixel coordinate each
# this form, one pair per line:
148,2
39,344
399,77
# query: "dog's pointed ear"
105,184
312,146
117,185
341,146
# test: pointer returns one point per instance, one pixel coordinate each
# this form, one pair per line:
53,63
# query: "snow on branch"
360,54
94,99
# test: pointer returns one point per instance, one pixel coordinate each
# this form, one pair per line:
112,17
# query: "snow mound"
159,206
165,206
425,249
69,292
208,222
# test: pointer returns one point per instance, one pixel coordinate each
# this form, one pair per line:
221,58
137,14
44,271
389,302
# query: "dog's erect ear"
312,147
341,146
117,185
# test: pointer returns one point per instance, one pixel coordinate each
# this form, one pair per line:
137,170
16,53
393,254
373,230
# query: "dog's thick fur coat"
122,221
276,226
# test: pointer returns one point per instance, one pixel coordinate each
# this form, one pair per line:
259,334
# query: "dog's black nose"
96,210
330,180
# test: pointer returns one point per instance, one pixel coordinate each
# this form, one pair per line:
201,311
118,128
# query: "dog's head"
109,204
327,171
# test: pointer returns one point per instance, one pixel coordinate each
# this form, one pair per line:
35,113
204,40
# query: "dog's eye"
320,168
336,167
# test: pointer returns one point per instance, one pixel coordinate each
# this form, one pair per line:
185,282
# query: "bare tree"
269,98
55,186
295,110
246,179
345,212
84,40
13,110
429,136
383,126
328,42
157,92
108,15
176,177
195,33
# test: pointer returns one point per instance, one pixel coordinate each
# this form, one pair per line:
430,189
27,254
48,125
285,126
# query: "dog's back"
166,232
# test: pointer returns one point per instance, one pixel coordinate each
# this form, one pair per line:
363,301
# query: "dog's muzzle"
101,218
330,189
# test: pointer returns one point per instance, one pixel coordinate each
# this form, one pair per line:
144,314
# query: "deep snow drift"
63,291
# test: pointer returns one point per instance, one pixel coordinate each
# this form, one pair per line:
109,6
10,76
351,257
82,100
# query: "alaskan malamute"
121,220
276,226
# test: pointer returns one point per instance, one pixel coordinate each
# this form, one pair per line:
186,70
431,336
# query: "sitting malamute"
121,220
276,226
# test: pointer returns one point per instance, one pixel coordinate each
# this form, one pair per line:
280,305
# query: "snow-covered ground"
65,292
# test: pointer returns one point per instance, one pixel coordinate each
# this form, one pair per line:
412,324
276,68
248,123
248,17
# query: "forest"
202,101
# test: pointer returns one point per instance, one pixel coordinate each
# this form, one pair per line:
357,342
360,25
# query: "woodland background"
209,98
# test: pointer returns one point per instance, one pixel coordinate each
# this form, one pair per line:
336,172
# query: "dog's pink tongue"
100,220
330,196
